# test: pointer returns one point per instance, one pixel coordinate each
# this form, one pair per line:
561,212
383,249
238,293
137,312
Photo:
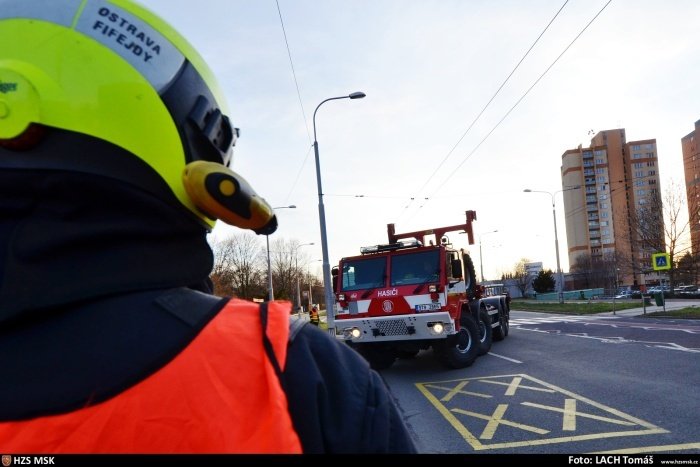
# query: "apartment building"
691,169
610,190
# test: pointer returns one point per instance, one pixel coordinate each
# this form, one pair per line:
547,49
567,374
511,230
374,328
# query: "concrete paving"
671,304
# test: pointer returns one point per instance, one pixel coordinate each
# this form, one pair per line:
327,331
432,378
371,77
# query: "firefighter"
313,316
115,148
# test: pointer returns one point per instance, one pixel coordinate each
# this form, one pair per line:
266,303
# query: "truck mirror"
456,268
334,277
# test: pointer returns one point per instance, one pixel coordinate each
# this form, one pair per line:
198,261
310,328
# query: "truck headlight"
352,333
437,328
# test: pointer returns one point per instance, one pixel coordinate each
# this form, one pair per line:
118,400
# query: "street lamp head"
527,190
357,95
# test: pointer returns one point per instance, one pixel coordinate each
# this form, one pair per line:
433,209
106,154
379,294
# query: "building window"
637,155
604,223
648,146
604,206
652,172
636,147
642,201
601,179
604,214
600,170
587,154
641,193
602,197
638,165
650,154
651,164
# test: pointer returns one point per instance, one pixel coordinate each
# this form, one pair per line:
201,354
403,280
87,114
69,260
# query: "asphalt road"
558,384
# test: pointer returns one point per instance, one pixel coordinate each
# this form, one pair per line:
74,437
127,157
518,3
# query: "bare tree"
596,271
288,262
523,279
662,225
222,273
237,269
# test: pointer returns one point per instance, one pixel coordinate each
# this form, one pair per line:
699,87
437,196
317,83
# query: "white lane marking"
505,358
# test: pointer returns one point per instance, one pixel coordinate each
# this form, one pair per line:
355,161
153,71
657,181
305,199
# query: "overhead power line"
303,113
493,97
439,166
520,100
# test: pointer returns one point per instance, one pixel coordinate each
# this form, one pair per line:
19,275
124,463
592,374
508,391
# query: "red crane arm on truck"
439,232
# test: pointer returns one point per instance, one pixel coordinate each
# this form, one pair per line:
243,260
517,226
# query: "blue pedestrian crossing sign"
660,261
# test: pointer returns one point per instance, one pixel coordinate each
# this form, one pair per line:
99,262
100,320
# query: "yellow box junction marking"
514,401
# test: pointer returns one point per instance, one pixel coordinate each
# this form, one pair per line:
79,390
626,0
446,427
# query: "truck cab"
395,299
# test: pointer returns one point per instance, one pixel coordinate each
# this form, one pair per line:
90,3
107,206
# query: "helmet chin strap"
222,194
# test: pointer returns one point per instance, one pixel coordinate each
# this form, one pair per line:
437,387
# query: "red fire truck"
396,299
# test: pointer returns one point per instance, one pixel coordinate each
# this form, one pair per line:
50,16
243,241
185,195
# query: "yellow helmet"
119,90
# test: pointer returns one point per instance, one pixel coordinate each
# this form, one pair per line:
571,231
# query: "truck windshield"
415,268
363,273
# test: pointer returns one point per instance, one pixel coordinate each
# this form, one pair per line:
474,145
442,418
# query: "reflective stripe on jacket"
221,394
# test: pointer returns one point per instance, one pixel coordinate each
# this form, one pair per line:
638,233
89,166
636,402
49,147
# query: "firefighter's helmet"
106,87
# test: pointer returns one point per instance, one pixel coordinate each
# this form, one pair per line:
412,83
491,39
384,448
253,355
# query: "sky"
430,141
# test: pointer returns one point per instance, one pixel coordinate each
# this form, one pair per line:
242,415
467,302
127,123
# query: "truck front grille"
394,327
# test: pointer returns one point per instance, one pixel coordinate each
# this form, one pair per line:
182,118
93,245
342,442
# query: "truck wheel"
469,274
501,331
506,314
485,332
461,349
378,356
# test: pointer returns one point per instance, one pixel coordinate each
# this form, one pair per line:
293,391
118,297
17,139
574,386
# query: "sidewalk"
671,304
302,316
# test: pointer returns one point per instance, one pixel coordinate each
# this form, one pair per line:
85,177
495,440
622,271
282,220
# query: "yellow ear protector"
19,104
222,194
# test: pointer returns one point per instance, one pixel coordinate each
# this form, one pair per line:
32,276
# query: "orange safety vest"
219,395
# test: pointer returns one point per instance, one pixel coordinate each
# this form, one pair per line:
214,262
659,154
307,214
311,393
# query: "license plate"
428,307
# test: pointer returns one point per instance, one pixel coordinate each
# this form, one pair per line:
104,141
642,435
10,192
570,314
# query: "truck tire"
379,357
501,331
469,274
485,331
461,349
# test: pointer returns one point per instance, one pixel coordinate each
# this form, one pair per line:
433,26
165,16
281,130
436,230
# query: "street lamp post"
296,267
481,262
271,293
560,277
308,271
322,220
